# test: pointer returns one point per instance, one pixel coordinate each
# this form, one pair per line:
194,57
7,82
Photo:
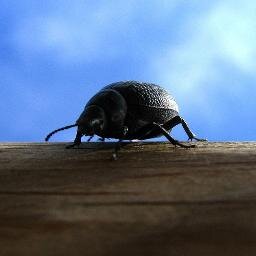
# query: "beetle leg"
89,139
77,140
119,143
170,138
190,134
117,148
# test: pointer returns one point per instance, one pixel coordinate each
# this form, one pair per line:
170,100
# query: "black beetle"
129,110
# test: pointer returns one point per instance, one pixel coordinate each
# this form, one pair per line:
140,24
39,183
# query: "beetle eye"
98,124
101,124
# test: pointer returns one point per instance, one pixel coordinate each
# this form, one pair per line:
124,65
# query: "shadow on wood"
154,200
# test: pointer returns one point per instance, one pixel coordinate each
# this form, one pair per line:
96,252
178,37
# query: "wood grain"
154,200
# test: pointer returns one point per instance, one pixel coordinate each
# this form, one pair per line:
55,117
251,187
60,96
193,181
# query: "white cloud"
80,32
73,35
224,35
234,29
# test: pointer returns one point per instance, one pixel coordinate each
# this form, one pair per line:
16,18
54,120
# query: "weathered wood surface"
154,200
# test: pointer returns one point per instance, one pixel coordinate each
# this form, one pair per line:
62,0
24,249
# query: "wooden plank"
154,200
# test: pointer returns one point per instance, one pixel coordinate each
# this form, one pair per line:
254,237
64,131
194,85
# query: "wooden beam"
155,199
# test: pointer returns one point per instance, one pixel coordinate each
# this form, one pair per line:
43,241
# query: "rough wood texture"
154,200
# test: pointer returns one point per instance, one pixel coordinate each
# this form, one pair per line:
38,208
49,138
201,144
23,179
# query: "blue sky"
54,55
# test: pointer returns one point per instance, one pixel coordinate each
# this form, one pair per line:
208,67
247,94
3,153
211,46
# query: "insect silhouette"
129,110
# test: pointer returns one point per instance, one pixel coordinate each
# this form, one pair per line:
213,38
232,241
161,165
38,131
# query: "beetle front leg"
77,140
90,138
117,148
119,143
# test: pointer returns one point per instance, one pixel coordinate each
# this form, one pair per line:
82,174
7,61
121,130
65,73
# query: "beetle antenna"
60,129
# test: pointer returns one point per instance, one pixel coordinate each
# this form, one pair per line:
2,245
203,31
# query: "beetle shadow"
100,146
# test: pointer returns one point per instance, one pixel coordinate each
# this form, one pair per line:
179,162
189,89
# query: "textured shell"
144,94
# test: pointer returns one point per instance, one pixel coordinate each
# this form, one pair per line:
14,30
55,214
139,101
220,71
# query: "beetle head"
92,121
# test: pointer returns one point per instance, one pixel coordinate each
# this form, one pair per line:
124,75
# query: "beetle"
129,110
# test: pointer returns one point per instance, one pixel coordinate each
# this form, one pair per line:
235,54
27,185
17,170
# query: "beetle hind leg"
170,138
191,135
